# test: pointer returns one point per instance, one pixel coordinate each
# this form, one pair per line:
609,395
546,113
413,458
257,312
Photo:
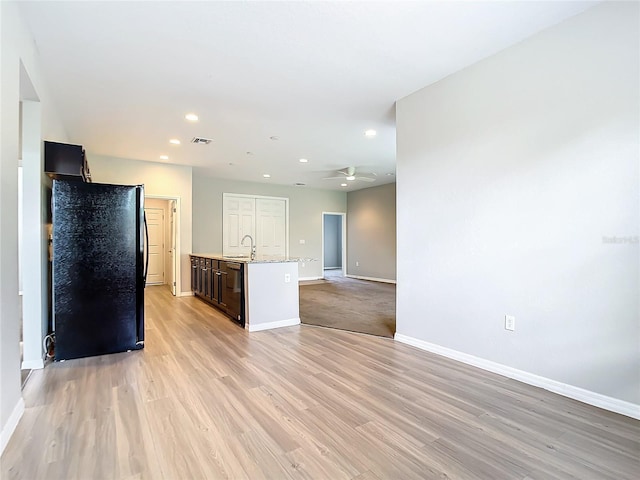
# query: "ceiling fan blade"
349,174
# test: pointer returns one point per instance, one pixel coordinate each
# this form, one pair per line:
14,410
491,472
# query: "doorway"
341,301
333,242
162,215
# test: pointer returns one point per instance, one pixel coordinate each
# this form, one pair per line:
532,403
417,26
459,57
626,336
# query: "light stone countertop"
247,259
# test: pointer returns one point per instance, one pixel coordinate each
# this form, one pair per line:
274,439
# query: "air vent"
206,141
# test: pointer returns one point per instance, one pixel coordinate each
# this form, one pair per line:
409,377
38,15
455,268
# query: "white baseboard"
269,325
373,279
32,364
12,422
304,279
185,294
585,396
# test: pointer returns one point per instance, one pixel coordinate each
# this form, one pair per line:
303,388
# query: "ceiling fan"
349,174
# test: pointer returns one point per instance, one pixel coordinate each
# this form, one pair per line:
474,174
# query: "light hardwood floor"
205,399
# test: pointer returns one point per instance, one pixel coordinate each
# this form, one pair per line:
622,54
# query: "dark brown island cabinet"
221,284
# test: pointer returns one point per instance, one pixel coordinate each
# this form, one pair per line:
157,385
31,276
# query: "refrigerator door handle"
146,240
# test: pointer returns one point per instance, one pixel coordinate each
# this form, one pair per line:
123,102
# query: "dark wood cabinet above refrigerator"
64,161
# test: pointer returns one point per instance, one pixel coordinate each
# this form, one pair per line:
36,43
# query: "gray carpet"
350,304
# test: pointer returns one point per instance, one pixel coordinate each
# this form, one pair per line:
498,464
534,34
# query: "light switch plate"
510,322
287,278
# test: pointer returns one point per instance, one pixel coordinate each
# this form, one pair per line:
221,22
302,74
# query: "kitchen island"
258,294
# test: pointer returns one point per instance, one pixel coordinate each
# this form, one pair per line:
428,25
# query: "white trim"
12,423
33,249
305,279
269,325
249,195
586,396
185,294
32,364
373,279
173,218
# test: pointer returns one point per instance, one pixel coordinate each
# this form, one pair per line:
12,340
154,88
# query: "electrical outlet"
287,277
357,264
510,322
302,242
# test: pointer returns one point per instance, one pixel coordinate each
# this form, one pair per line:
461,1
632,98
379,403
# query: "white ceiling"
314,74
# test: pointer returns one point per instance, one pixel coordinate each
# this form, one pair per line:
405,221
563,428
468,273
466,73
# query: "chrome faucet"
253,247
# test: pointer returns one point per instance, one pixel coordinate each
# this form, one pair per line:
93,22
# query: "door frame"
173,215
33,247
343,240
176,273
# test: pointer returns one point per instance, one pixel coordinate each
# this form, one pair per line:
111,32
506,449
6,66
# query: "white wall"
266,282
510,173
305,216
16,46
159,179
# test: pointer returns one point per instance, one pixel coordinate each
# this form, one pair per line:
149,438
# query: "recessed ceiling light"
192,117
343,184
164,157
303,160
266,175
174,141
370,133
351,178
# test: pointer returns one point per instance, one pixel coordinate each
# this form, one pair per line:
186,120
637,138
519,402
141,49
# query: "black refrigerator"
98,268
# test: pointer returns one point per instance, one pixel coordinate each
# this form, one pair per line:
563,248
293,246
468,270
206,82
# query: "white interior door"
271,226
155,228
238,220
264,218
